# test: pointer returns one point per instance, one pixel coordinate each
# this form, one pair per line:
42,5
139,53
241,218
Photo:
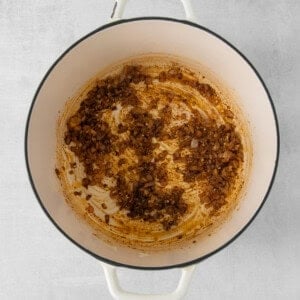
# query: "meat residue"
207,150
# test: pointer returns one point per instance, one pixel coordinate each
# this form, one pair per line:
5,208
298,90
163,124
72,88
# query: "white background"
38,262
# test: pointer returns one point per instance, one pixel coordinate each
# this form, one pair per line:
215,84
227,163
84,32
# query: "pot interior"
115,43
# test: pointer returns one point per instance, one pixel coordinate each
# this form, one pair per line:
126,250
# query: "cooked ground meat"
210,152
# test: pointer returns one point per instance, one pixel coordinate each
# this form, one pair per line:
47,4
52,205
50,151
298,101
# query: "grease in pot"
152,154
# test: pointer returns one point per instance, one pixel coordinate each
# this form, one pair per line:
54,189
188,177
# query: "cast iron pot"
117,41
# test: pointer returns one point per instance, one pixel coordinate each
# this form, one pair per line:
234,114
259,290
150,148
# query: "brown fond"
152,153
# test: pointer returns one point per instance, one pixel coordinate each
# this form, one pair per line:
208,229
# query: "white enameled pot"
117,41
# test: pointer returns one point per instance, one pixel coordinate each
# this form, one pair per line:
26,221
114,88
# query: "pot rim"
45,78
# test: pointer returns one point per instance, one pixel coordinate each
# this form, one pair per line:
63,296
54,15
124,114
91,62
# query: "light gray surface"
37,262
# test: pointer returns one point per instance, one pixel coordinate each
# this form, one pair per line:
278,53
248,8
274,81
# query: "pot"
117,41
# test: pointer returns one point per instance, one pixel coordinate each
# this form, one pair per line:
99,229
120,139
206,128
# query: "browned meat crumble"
141,187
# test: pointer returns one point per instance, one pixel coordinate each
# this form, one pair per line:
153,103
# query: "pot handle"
118,293
119,7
